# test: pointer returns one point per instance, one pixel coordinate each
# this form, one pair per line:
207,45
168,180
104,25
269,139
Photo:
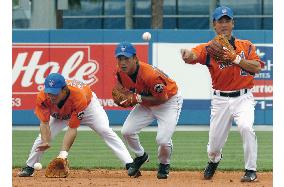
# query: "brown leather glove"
57,168
124,97
221,50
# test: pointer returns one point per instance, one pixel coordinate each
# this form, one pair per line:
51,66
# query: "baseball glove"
57,168
124,97
221,50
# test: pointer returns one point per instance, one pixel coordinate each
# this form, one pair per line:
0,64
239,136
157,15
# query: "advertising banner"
94,64
88,56
263,89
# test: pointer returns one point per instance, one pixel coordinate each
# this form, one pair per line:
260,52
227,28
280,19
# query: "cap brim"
124,54
54,91
218,17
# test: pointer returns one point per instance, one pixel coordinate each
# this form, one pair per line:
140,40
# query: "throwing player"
155,96
232,97
70,103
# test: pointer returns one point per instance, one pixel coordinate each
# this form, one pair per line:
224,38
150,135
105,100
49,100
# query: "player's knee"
125,132
127,129
104,131
243,128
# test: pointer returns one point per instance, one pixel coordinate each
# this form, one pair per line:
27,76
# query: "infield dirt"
103,177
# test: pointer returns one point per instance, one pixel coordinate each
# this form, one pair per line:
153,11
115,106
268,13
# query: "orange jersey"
229,77
71,109
150,81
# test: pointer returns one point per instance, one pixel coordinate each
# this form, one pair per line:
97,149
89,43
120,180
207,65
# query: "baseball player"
232,97
70,103
155,97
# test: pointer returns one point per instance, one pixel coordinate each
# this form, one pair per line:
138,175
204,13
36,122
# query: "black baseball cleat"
128,165
133,170
249,176
138,174
163,171
26,172
210,170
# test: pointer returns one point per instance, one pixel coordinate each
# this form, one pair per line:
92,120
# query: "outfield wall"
88,55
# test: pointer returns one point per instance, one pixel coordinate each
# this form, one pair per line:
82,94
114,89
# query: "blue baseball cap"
125,49
222,11
53,83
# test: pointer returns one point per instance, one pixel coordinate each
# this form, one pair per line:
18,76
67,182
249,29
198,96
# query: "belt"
231,94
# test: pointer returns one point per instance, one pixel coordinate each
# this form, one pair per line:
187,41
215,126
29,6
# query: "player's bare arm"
252,66
188,55
45,136
69,138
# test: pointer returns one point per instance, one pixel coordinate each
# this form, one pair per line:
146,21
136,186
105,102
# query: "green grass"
189,153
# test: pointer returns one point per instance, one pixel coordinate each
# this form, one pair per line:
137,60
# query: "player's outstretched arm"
69,138
45,136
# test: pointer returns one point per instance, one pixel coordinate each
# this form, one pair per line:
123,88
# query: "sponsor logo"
159,88
261,54
80,115
266,55
263,88
224,11
51,83
32,63
123,49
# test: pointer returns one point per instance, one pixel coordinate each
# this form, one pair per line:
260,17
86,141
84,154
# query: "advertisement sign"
195,82
263,89
93,64
88,55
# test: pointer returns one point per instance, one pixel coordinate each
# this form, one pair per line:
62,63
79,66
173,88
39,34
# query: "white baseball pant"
223,111
96,118
166,114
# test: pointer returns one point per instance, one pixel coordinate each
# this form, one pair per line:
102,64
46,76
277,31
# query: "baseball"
37,166
146,36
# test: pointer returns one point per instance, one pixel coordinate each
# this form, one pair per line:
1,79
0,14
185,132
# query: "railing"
165,16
